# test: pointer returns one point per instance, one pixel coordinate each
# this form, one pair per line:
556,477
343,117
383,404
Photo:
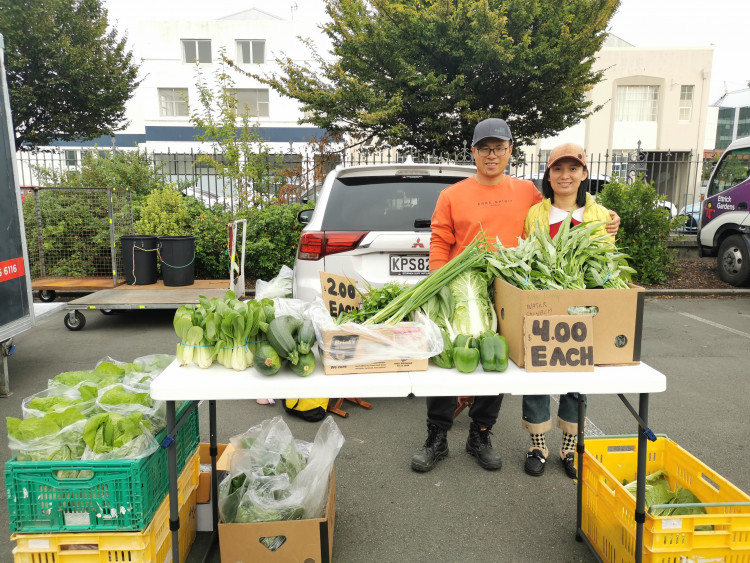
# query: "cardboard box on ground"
309,540
617,318
204,507
371,349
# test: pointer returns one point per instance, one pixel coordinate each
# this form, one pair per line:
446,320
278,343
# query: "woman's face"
566,175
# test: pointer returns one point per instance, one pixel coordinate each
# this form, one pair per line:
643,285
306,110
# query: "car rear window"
384,204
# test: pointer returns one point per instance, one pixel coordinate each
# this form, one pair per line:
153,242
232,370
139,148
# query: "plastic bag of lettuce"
109,435
274,477
56,436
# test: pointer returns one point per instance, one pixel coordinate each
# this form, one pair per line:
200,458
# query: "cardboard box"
618,322
373,348
309,540
204,478
204,506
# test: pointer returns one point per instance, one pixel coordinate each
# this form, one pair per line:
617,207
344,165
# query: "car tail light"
316,245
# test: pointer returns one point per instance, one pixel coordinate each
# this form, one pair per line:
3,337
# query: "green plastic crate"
99,495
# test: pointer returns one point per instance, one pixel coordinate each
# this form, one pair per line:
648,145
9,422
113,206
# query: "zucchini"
305,366
281,332
305,337
266,360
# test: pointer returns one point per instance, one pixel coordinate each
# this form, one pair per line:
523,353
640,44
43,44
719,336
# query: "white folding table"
217,383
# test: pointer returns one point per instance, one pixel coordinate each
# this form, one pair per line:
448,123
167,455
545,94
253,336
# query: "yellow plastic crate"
152,545
609,510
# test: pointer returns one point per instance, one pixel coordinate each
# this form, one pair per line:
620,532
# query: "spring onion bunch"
573,259
473,256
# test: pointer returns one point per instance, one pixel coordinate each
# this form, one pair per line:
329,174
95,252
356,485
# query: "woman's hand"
614,225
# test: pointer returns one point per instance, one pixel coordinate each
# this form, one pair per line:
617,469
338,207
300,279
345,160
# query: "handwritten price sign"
559,343
339,293
10,269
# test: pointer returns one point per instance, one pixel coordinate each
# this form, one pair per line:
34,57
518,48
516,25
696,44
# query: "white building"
655,99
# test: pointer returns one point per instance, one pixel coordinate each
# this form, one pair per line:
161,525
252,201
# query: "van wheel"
734,260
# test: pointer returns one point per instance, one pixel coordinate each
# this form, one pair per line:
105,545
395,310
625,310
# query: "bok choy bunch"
226,330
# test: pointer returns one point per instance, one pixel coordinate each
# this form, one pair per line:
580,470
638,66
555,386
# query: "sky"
693,23
643,23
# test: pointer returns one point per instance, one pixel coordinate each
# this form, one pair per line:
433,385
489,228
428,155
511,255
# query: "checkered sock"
538,443
568,443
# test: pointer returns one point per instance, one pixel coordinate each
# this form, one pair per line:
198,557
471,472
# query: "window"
251,51
196,50
743,123
252,102
724,128
71,158
173,102
686,102
637,103
732,169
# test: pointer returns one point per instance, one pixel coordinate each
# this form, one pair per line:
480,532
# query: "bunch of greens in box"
573,259
226,330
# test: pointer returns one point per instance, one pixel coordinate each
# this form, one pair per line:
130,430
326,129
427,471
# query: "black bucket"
139,259
177,260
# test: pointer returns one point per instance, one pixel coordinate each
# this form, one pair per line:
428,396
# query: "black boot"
478,444
435,448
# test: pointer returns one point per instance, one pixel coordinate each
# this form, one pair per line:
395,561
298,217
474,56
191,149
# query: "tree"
68,77
243,156
424,72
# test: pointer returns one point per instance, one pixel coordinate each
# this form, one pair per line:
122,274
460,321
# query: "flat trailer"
48,287
152,296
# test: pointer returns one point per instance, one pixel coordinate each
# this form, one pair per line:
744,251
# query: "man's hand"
614,225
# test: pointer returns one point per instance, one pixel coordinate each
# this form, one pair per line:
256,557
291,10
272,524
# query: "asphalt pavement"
458,512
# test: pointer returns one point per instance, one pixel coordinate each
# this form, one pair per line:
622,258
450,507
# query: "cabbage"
474,312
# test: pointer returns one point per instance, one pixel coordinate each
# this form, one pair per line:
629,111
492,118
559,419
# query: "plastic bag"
64,445
125,399
352,343
314,478
280,286
58,399
137,448
270,479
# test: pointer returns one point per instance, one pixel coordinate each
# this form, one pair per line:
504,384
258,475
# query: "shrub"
644,228
209,227
164,213
272,236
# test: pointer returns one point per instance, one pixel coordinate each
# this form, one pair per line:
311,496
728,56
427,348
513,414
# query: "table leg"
580,449
640,495
174,512
213,448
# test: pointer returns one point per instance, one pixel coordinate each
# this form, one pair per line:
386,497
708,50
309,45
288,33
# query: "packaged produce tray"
609,509
152,545
78,496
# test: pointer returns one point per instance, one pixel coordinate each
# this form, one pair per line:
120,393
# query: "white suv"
371,224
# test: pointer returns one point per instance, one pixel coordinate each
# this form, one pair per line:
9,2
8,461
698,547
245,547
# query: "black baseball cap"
492,128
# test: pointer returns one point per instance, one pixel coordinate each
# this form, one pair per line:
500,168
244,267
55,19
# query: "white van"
724,226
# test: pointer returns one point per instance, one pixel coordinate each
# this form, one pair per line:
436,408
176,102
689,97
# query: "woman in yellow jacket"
565,189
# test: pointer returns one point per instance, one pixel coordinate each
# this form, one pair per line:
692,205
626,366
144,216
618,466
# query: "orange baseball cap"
567,150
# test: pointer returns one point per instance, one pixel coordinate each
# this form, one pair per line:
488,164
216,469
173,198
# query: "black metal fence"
296,176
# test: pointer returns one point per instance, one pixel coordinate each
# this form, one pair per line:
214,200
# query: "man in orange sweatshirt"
497,204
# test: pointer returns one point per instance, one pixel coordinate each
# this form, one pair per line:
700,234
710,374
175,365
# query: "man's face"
491,157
